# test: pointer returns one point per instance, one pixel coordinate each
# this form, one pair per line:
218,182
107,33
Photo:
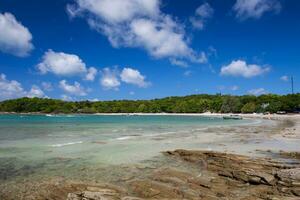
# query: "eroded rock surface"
223,176
245,176
218,176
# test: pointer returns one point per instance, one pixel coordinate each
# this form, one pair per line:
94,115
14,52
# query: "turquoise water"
53,143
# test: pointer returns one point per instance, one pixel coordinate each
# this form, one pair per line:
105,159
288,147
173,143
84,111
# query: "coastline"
209,114
191,169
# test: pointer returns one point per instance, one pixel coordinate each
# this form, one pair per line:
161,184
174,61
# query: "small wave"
65,144
124,138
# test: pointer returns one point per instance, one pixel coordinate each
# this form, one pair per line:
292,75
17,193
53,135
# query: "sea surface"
68,144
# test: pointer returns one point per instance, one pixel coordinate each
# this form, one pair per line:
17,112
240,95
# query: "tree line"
188,104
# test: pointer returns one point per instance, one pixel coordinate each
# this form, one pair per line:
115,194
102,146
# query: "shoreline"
209,114
196,169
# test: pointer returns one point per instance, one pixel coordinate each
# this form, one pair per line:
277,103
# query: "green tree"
249,108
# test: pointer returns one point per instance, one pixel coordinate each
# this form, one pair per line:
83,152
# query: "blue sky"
144,49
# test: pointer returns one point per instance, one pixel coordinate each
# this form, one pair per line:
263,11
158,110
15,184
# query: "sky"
145,49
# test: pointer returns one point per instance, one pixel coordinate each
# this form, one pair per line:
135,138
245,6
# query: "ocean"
69,145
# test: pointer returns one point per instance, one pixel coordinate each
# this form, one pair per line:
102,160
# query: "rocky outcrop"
186,174
276,179
222,176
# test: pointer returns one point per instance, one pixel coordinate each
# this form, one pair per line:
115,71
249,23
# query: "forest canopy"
188,104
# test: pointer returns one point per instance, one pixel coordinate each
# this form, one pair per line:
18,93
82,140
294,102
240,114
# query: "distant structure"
292,84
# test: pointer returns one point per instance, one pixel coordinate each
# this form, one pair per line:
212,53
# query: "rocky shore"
223,176
218,176
208,175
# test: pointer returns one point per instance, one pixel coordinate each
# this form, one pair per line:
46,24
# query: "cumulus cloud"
109,79
258,91
36,91
255,9
136,23
47,86
112,78
15,38
116,11
241,68
75,89
284,78
63,64
65,97
202,14
11,89
177,62
133,76
91,74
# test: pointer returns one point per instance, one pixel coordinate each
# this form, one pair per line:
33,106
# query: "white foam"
66,144
123,138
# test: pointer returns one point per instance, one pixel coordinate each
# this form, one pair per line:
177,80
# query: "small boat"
235,117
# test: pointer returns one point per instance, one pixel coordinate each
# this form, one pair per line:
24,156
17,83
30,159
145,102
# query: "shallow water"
64,144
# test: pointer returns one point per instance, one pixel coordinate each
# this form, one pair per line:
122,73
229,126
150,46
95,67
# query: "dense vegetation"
188,104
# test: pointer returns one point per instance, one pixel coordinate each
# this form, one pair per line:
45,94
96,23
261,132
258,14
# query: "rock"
93,195
130,198
291,174
296,192
202,181
73,196
264,178
151,189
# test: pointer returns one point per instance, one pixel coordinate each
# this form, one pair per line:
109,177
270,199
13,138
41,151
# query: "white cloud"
202,58
132,93
284,78
10,89
35,91
132,76
109,79
202,14
160,39
47,86
116,11
177,62
258,91
66,98
136,23
94,100
75,89
241,68
255,9
63,64
15,38
91,74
